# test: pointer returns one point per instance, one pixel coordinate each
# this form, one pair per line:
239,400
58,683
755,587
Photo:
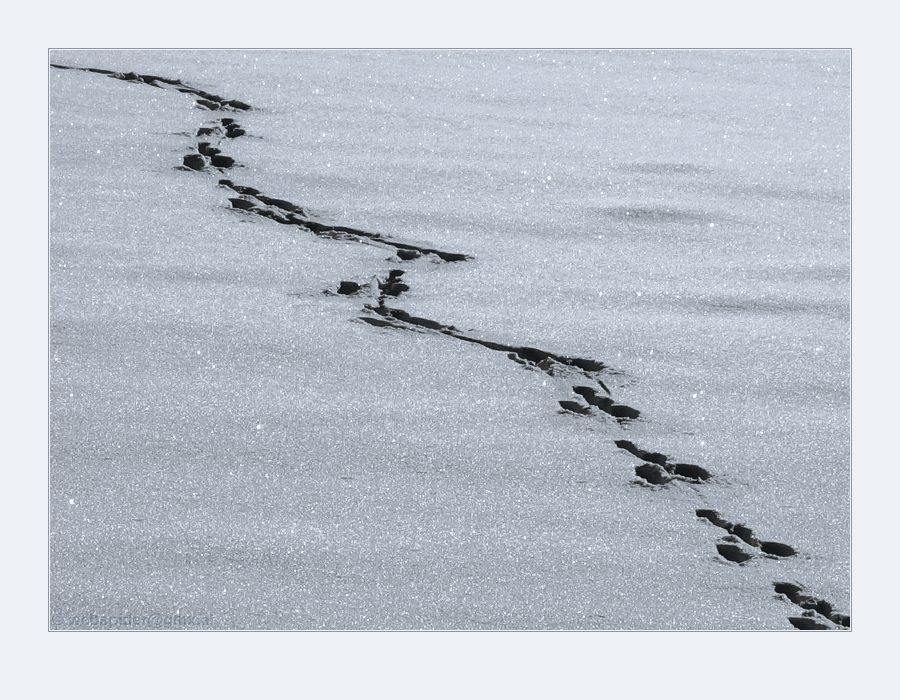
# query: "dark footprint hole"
628,446
533,355
392,286
655,457
795,594
348,287
273,215
586,365
242,204
823,607
791,591
777,549
807,623
222,161
587,392
606,404
842,620
714,517
450,257
280,203
691,471
745,533
240,189
652,474
207,150
623,412
733,553
194,161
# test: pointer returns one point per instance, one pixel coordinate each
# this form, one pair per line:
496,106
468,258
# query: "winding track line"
656,470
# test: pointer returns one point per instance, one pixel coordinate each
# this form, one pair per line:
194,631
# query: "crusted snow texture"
232,448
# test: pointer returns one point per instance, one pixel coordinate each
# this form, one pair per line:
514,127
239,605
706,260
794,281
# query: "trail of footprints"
658,470
815,610
655,470
205,100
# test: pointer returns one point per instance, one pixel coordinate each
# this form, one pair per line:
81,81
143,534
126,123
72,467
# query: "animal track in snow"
548,362
744,533
390,286
732,552
206,156
205,99
812,607
619,411
656,469
654,457
283,212
679,470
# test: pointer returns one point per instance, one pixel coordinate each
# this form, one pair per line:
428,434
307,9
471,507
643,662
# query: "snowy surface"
231,448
